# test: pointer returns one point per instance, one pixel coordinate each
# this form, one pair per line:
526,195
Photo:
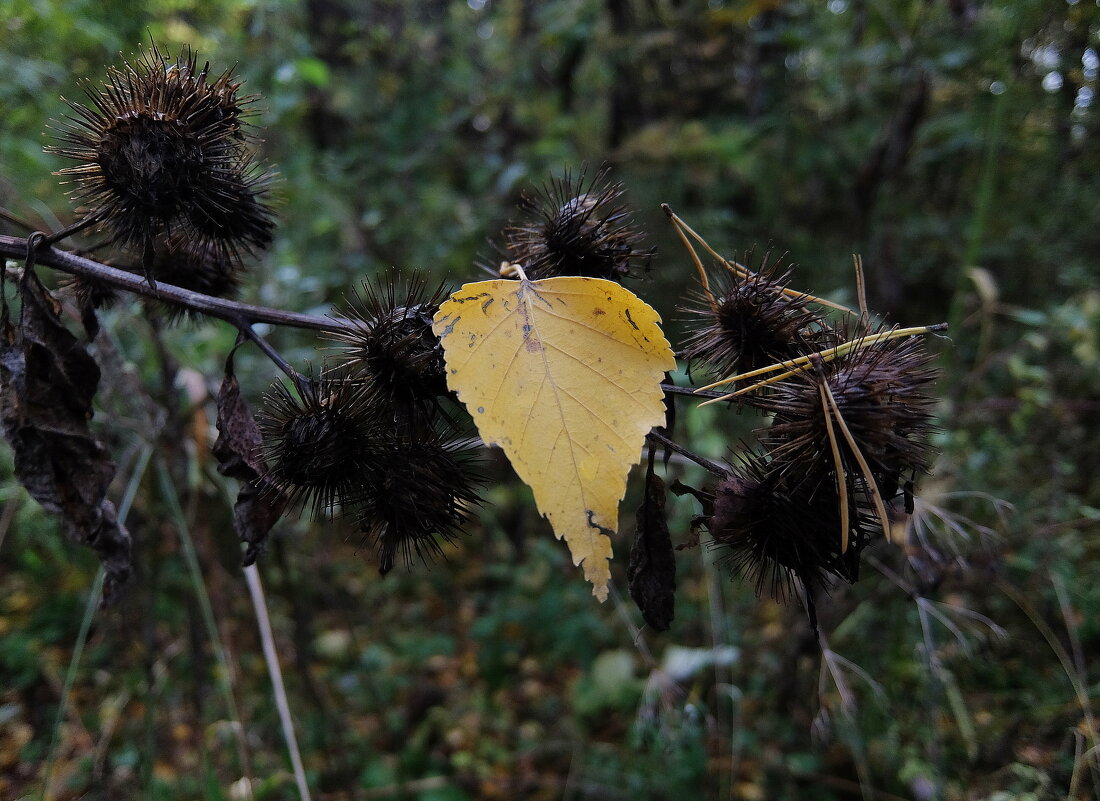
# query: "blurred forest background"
955,144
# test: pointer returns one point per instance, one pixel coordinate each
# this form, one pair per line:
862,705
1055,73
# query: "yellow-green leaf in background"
565,375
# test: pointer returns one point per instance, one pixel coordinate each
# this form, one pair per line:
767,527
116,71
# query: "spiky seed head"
576,226
391,345
779,530
163,151
764,530
883,393
236,215
89,294
751,323
421,495
201,265
317,440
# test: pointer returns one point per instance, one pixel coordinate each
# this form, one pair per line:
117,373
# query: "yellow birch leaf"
565,375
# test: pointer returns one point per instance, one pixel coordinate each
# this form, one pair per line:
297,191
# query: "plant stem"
70,679
271,657
230,310
672,389
249,333
15,220
702,461
75,228
198,584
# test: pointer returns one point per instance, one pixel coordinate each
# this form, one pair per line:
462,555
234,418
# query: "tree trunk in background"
625,113
885,163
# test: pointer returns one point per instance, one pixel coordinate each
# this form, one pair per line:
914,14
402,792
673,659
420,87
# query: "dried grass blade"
868,477
841,476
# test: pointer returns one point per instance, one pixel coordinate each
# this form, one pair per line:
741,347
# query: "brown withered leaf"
47,383
237,450
652,567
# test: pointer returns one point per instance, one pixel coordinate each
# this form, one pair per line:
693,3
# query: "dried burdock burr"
334,441
201,265
390,344
419,496
576,226
317,439
90,294
163,152
874,402
235,214
779,528
742,322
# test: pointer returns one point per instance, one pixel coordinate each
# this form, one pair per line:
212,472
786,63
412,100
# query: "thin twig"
229,310
249,332
714,467
69,230
672,389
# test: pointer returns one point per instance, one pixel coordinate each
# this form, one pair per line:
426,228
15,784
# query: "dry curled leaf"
47,382
652,568
565,375
238,450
